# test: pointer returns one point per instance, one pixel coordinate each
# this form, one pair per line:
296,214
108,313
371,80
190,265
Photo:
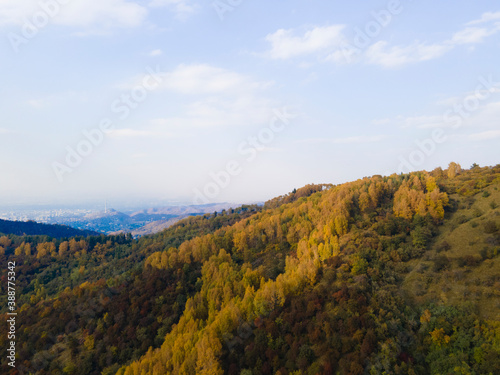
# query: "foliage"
309,284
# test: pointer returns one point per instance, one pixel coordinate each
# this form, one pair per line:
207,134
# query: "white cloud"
205,79
210,97
330,44
131,133
37,103
63,98
486,17
484,117
285,44
182,8
218,112
345,140
471,35
421,122
381,54
412,122
156,52
484,136
13,11
382,121
104,14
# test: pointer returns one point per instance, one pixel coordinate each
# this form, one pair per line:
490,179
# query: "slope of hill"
31,228
463,262
395,275
154,226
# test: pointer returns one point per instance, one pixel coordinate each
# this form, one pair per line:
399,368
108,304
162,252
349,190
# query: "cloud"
131,133
210,97
486,17
381,54
37,103
421,122
222,97
472,35
484,136
202,79
156,52
285,44
329,44
486,116
62,98
219,112
104,14
182,8
345,140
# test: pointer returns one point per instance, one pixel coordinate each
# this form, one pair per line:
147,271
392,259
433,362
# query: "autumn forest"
384,275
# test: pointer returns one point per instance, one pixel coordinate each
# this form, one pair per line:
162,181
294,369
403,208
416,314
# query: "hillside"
31,228
154,226
463,262
396,275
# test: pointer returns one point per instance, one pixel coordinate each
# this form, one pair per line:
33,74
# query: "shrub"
443,246
493,240
469,201
441,262
477,212
421,237
458,275
488,252
490,227
486,194
468,260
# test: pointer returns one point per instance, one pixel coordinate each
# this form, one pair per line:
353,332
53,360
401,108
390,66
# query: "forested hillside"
31,228
384,275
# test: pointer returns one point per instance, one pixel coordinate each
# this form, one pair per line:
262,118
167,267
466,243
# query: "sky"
239,101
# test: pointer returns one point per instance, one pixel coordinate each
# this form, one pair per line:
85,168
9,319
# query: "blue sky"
182,96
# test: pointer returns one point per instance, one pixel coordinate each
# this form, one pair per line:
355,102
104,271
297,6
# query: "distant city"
48,216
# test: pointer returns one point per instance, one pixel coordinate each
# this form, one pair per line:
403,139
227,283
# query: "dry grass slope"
463,264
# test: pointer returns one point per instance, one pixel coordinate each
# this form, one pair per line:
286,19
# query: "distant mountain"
32,228
106,222
147,221
183,210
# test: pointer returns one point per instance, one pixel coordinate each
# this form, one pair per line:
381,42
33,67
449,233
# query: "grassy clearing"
463,264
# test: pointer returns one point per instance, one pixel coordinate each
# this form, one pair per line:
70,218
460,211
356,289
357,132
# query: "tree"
5,241
45,248
453,169
27,249
63,248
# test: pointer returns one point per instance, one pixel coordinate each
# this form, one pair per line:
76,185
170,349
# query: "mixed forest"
384,275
